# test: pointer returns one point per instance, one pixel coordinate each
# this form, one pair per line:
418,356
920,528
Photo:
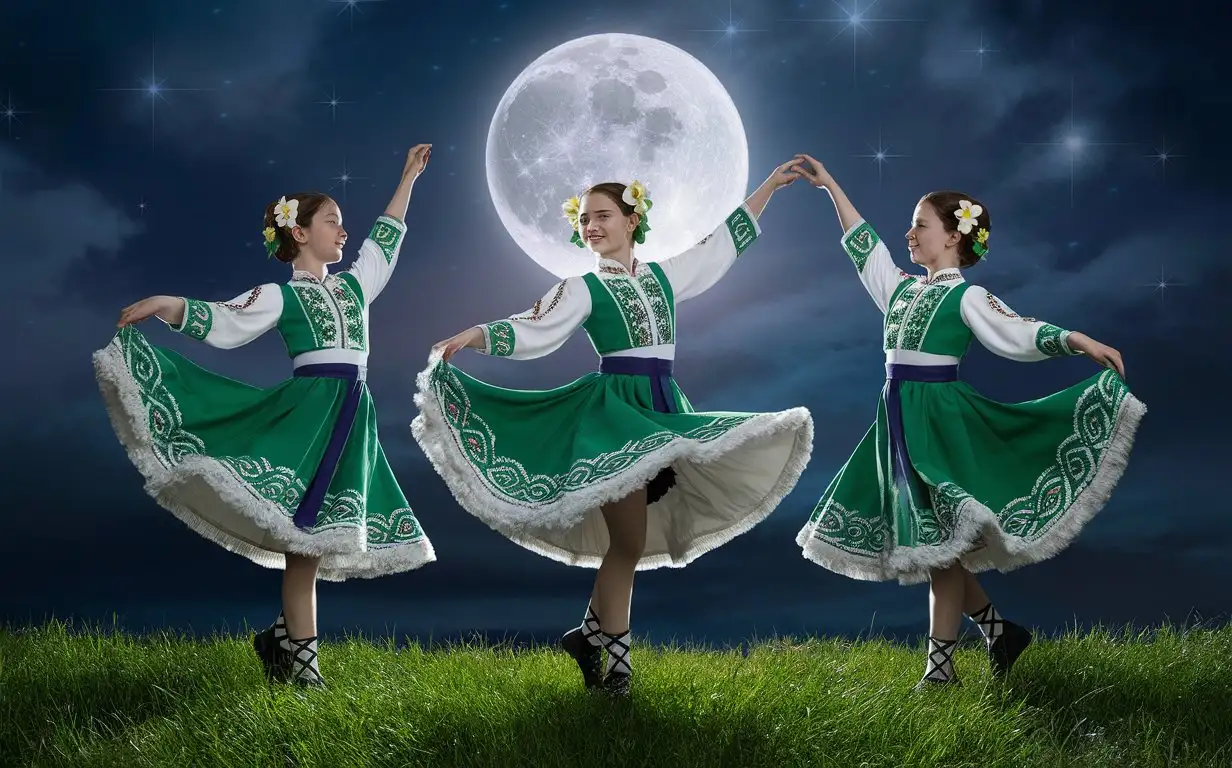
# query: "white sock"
618,652
940,665
590,628
990,623
304,660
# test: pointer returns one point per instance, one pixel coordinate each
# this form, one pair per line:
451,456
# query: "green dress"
296,468
537,465
946,474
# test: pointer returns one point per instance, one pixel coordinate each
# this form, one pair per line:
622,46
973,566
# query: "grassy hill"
95,698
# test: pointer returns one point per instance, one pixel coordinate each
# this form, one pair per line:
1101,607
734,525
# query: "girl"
615,470
947,482
290,477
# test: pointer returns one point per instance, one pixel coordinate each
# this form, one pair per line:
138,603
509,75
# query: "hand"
812,171
146,308
417,160
1100,353
783,175
471,337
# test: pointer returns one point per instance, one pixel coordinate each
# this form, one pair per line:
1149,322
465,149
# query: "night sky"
1088,129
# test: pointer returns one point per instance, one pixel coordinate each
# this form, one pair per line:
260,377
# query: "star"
855,19
333,103
981,51
728,30
155,89
1163,156
10,113
1074,143
344,178
142,205
1162,285
352,6
879,156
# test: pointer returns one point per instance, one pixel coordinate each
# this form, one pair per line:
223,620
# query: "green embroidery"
386,234
743,231
198,319
631,309
921,315
659,306
321,318
351,308
898,312
1050,340
507,478
501,338
860,244
849,531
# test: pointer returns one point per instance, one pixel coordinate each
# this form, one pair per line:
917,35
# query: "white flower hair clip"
285,212
967,214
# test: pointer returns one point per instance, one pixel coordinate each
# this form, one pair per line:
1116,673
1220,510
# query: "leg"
1005,640
299,601
945,614
626,525
585,643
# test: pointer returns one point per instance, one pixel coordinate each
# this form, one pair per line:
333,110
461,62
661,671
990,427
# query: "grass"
97,698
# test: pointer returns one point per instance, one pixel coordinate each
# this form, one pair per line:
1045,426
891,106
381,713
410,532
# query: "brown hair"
945,202
309,204
616,191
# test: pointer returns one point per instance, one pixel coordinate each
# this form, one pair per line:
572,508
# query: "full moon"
615,107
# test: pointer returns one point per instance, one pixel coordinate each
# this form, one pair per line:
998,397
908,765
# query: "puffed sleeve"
543,328
231,324
1009,335
698,269
873,262
378,255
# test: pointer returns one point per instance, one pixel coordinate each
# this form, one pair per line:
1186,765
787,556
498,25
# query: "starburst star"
345,177
879,155
981,51
142,205
1074,143
854,19
332,102
10,113
1164,156
154,89
352,6
728,30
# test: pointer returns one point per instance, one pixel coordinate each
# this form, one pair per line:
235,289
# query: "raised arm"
1025,339
378,255
698,269
222,324
537,332
876,268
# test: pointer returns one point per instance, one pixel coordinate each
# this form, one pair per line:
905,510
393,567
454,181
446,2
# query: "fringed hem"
515,522
344,552
978,541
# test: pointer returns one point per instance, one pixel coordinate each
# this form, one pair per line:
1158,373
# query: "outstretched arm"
1025,339
378,255
876,268
698,269
537,332
222,324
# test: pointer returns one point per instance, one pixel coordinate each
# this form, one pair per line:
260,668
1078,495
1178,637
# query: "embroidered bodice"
933,320
629,312
320,321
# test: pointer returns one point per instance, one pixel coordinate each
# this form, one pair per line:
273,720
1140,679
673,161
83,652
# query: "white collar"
303,274
610,266
947,275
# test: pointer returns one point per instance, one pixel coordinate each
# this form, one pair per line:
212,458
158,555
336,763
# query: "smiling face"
605,227
930,244
324,238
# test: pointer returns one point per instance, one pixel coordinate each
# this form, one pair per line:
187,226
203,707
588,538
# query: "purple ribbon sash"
314,496
658,370
904,474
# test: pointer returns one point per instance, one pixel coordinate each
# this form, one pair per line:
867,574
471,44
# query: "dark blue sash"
658,370
314,496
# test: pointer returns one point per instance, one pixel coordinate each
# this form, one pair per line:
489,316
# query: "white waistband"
662,351
911,357
318,356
